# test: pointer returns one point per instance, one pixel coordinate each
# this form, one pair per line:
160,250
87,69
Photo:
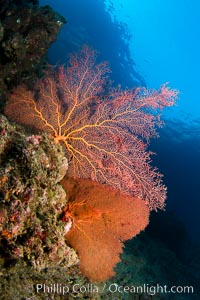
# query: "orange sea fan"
104,130
102,218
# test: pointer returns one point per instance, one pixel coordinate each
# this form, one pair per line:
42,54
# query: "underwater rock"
26,32
31,199
20,282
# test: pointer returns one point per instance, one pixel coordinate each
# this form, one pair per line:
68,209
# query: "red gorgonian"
105,134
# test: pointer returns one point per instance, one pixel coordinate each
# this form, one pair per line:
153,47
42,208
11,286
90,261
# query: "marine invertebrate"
31,200
103,129
101,218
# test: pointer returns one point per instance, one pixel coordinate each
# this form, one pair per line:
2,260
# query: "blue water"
165,45
150,43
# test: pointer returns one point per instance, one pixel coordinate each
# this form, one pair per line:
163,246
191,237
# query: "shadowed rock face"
26,32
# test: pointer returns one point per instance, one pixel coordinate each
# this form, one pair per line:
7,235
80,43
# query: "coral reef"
26,32
105,130
31,200
99,219
36,218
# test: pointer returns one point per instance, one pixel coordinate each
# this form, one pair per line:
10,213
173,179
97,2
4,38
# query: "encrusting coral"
31,200
99,220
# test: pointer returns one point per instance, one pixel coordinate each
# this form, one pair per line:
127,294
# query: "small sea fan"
102,218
